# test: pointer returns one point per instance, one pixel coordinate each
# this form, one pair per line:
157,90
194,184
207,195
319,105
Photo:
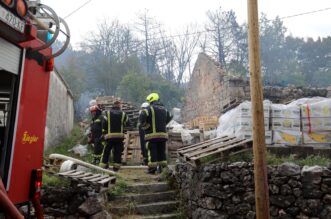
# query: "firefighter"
142,136
96,133
154,120
116,120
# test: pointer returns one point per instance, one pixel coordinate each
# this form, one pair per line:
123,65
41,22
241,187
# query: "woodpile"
106,102
203,122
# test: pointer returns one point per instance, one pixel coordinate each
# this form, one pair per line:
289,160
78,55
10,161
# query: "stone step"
155,216
146,209
148,188
145,198
159,216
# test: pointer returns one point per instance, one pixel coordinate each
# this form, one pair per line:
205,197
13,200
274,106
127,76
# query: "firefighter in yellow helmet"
154,120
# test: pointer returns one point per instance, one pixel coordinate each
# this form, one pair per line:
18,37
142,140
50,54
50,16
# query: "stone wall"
74,202
211,90
60,111
227,191
287,94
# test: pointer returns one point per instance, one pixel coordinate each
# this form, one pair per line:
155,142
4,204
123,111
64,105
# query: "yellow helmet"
152,97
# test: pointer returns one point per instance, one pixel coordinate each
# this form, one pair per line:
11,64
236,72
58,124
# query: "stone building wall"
227,191
199,100
211,90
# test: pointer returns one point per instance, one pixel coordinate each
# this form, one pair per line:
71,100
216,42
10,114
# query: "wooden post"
260,167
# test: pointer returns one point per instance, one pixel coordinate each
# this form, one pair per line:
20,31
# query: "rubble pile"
227,190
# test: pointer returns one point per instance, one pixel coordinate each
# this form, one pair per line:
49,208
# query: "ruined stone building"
211,91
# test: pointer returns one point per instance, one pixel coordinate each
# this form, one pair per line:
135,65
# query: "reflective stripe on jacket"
116,120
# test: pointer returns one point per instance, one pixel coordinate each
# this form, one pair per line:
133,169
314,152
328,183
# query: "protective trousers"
97,153
143,146
156,154
117,147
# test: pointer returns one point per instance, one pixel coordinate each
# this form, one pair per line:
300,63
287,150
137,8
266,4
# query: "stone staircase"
146,201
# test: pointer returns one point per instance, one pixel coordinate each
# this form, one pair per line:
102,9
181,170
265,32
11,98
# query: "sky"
175,14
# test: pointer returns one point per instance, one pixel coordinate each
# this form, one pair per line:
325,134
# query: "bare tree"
166,58
149,30
111,46
186,45
221,29
113,40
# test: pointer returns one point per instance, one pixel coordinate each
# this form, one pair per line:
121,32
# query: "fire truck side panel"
30,130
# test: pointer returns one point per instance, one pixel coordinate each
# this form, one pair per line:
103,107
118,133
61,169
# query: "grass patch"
272,159
311,160
119,188
76,137
50,180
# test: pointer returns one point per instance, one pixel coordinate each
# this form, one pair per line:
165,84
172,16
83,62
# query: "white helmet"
144,105
93,102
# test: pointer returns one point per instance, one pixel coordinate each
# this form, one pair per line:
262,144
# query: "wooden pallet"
214,149
82,177
132,150
106,102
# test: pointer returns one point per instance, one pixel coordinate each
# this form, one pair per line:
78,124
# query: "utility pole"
260,167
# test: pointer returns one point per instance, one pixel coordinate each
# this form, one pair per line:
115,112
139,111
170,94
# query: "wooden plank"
91,177
77,173
201,146
125,152
201,143
212,147
67,172
242,144
98,178
107,180
81,176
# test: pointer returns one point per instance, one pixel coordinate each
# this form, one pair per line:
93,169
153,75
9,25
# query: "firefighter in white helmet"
142,136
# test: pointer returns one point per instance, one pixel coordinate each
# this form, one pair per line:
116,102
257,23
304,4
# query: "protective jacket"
96,126
116,120
154,120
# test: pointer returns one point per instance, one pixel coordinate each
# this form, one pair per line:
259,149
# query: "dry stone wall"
227,191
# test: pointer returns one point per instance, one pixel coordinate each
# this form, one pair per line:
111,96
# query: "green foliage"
311,160
74,75
51,180
136,86
119,187
246,156
73,139
273,159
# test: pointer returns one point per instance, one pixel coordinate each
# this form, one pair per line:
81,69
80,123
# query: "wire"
305,13
223,28
77,9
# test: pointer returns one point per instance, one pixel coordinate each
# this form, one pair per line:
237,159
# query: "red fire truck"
26,62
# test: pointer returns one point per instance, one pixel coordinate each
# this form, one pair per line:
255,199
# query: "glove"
89,140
